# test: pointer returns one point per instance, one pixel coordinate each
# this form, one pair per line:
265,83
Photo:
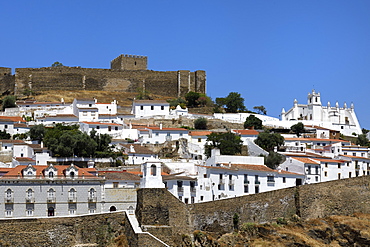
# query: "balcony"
9,199
231,182
257,182
72,199
91,199
246,182
193,189
180,189
357,167
51,199
30,199
222,181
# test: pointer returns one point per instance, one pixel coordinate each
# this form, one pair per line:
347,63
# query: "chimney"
160,126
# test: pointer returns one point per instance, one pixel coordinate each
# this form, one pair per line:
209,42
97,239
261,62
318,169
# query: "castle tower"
129,62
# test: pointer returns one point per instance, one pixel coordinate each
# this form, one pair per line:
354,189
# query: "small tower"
129,62
314,98
152,177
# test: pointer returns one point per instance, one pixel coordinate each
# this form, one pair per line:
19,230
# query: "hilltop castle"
127,73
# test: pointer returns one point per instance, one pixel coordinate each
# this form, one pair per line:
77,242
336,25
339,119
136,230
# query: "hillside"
330,231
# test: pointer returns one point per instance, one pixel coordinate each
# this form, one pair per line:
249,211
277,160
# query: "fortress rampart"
128,73
167,218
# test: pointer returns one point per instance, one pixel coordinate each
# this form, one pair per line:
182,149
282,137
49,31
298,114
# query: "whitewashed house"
137,153
245,134
196,142
150,108
112,129
157,135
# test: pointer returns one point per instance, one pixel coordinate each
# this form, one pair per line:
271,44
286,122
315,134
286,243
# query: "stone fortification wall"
166,83
70,231
129,62
340,197
163,215
6,80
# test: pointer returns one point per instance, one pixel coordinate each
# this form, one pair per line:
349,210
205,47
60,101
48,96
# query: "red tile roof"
305,160
200,133
246,132
99,123
14,119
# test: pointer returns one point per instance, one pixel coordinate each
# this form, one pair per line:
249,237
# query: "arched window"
29,193
112,209
51,193
72,193
51,174
153,170
8,193
92,193
72,175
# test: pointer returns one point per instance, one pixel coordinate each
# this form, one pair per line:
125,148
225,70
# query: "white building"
40,191
342,119
150,108
157,135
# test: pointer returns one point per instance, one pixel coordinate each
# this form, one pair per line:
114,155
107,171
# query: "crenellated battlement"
128,73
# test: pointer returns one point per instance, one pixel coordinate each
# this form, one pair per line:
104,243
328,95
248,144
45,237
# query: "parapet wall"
128,73
340,197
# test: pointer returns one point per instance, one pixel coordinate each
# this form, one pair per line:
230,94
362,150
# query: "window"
309,170
245,188
116,128
97,127
72,194
350,174
109,128
93,113
256,189
92,193
180,134
152,107
51,174
205,175
9,194
317,179
51,195
246,178
72,208
192,199
5,126
141,107
84,113
338,175
316,170
29,195
325,174
29,209
153,170
199,139
326,165
157,134
162,107
354,154
115,184
186,200
284,180
270,179
201,198
339,165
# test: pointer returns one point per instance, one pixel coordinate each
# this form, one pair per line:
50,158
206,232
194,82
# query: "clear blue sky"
271,52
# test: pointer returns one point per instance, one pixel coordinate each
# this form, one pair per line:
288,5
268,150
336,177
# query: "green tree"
252,121
268,141
273,159
192,99
143,94
175,102
362,140
234,103
4,135
57,64
228,143
37,132
260,109
298,128
8,102
200,123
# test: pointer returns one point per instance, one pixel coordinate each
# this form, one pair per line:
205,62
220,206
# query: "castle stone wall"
6,80
340,197
165,83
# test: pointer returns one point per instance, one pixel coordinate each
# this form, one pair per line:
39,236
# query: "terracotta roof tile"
246,132
200,133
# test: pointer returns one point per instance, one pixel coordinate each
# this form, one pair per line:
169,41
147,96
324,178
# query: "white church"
338,118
